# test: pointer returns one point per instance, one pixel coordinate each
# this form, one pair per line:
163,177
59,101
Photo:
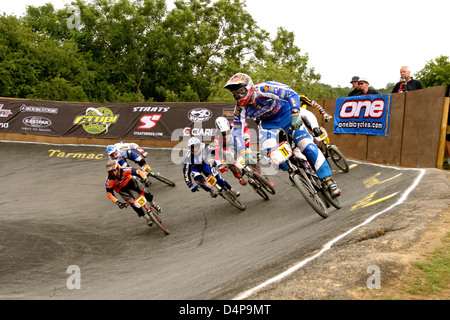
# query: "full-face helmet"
112,166
241,86
194,144
111,151
222,124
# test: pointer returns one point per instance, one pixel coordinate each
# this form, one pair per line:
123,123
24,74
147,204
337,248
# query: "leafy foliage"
435,73
137,50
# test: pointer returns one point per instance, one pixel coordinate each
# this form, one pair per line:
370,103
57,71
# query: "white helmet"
222,124
193,141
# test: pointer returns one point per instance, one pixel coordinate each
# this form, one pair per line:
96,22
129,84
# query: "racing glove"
121,205
145,154
317,132
327,117
296,121
192,187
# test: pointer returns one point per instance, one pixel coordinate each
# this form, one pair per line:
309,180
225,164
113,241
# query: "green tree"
435,73
203,43
34,66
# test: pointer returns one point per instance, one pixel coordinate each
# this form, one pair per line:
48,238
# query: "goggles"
239,94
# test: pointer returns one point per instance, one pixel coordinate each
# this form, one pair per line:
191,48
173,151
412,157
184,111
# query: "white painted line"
77,144
329,244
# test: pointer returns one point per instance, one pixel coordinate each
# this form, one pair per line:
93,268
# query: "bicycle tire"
338,158
333,201
231,198
263,181
308,192
262,194
163,179
326,194
157,220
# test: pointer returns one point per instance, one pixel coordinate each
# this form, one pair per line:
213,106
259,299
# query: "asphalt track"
54,214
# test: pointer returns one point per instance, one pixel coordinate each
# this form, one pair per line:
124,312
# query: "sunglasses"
361,83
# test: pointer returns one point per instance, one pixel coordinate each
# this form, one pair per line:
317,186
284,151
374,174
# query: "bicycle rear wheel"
310,194
161,178
157,220
338,158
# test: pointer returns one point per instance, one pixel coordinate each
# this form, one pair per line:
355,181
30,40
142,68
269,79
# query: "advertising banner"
369,115
153,121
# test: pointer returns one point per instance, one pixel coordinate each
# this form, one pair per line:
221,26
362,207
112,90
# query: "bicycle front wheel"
157,220
231,198
263,181
338,158
310,194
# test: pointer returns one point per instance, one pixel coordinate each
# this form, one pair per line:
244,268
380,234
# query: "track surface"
54,213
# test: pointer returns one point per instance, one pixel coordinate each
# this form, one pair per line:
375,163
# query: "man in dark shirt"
355,85
406,83
364,88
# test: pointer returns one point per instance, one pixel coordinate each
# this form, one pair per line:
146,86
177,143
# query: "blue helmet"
110,150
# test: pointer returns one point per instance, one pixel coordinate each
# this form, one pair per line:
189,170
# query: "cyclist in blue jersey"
200,159
275,106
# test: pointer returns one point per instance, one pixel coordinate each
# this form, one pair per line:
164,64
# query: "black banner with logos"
153,121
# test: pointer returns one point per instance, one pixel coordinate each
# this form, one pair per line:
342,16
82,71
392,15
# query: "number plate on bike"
281,153
210,181
140,201
240,162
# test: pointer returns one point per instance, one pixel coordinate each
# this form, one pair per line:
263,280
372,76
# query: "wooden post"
441,147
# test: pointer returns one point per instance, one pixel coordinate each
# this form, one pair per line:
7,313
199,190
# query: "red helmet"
241,86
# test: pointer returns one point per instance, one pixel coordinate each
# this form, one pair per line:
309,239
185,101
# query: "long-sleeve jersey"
125,175
305,102
269,100
205,154
221,145
122,150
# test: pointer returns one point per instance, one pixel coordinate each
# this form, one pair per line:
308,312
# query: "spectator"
365,89
356,88
406,83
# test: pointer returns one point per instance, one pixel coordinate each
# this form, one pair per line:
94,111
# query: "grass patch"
434,274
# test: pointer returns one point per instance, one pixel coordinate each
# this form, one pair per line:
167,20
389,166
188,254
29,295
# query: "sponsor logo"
37,122
198,132
151,109
4,113
199,115
353,109
149,121
25,108
96,120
